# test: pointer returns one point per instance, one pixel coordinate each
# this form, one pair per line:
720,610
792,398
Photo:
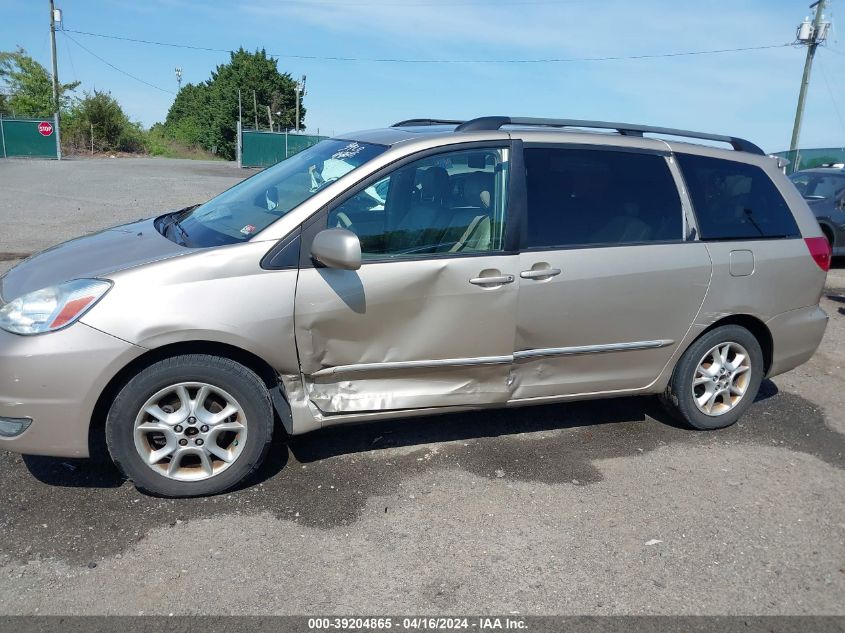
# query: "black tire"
678,396
828,234
240,382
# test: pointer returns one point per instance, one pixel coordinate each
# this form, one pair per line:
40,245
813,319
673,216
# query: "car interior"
430,210
579,197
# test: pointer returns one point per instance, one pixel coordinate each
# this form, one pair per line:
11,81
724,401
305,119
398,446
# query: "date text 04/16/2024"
427,623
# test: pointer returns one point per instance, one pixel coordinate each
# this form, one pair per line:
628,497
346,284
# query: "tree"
99,116
29,87
206,114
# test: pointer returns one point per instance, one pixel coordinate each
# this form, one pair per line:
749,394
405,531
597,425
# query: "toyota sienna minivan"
433,266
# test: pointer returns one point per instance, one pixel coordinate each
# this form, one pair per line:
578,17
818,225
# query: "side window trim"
285,255
598,148
317,221
691,231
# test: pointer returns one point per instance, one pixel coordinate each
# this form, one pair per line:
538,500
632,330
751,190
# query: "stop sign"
45,128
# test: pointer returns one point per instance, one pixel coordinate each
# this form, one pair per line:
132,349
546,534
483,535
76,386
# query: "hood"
94,255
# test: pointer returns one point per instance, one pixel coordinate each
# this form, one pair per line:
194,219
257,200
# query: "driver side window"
444,204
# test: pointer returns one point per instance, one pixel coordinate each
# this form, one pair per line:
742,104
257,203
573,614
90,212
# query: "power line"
832,98
70,57
551,60
108,63
420,3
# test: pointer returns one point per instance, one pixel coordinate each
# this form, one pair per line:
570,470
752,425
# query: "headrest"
477,160
434,185
478,189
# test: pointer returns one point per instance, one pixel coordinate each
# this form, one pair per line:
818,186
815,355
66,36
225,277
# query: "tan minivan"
428,267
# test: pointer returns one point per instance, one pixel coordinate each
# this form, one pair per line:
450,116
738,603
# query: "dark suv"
824,190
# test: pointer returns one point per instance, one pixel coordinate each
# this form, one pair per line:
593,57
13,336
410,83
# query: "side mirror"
337,248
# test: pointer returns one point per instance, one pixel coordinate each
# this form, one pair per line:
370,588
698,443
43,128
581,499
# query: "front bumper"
55,379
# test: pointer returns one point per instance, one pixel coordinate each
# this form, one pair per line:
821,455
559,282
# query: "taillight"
820,250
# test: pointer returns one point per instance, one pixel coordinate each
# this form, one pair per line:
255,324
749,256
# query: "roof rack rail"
414,122
626,129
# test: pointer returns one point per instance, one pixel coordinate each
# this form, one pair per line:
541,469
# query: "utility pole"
255,108
810,35
300,92
53,53
239,129
179,78
56,116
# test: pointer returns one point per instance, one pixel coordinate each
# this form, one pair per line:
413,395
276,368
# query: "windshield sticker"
350,151
248,229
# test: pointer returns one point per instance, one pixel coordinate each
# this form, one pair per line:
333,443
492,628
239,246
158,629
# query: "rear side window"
579,197
735,200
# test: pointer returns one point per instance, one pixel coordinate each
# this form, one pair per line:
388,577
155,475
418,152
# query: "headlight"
52,308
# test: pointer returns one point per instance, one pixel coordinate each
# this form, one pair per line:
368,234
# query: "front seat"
469,227
424,223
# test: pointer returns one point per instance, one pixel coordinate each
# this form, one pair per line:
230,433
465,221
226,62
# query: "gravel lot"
588,508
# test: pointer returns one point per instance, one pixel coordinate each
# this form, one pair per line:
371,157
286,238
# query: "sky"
750,93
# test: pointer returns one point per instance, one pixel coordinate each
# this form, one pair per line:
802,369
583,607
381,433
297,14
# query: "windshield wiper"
748,214
173,220
182,232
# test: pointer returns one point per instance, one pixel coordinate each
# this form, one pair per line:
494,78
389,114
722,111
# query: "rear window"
735,201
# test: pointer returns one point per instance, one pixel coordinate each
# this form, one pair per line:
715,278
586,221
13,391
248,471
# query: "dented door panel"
610,320
406,334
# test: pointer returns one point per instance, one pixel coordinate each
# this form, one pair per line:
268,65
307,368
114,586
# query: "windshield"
817,186
254,204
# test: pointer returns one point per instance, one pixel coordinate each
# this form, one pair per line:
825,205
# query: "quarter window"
444,204
580,197
735,200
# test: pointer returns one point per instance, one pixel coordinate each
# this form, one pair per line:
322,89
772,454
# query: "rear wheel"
717,378
828,233
190,425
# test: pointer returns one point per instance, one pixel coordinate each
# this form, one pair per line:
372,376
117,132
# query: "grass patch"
157,144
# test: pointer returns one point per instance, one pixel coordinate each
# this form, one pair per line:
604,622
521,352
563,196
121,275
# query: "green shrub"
98,118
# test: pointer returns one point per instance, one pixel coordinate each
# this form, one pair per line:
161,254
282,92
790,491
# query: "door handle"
541,273
497,280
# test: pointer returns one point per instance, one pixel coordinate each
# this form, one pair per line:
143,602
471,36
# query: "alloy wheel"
721,378
190,431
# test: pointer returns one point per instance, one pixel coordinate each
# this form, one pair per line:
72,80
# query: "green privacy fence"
809,158
36,138
262,149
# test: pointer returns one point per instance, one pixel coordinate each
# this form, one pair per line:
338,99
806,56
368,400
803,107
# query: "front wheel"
717,378
190,425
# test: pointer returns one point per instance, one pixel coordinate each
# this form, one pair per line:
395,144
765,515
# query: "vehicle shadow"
838,299
408,432
73,473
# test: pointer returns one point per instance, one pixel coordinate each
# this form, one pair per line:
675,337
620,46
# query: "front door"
429,318
608,284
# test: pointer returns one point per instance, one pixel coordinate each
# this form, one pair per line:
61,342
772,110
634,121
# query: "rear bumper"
796,335
55,380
